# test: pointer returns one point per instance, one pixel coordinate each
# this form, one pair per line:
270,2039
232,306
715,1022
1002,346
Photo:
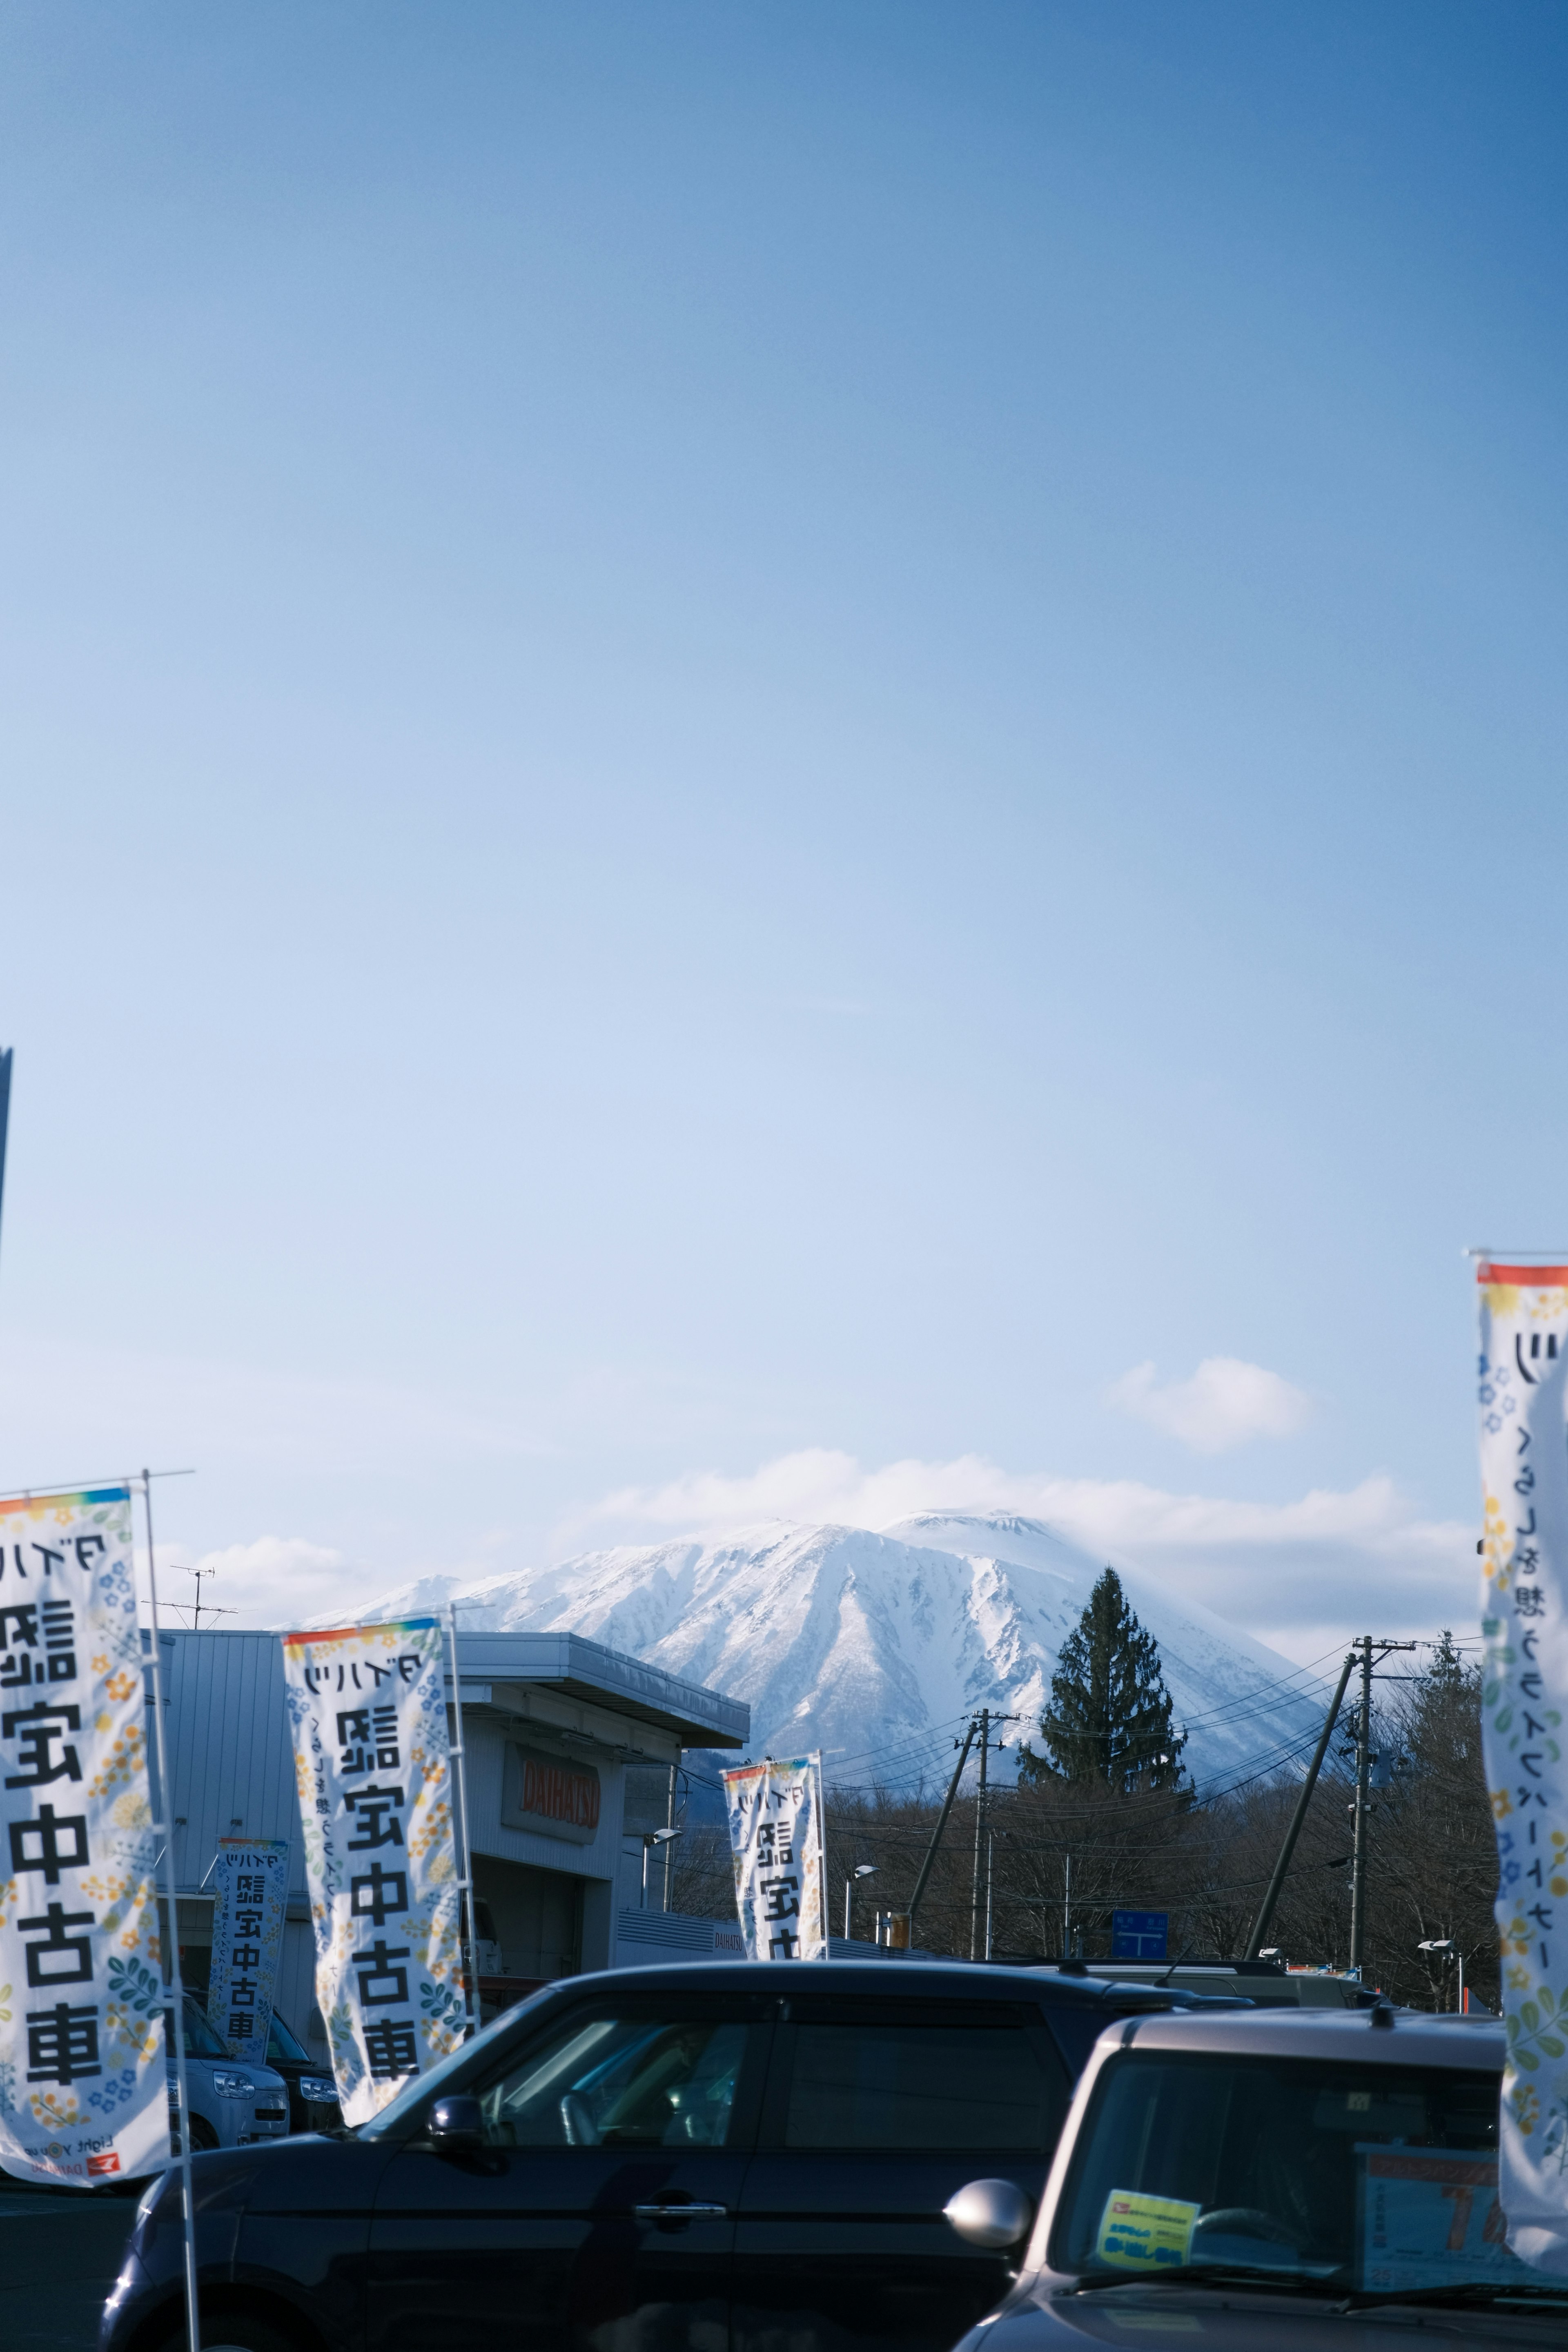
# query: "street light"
650,1838
1446,1943
861,1869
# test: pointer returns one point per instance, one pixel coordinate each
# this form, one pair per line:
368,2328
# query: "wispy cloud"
1321,1560
1226,1401
273,1581
1303,1574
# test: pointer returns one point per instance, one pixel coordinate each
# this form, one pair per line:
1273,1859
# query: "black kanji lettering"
376,1967
35,1727
74,1953
62,2044
36,1846
390,2046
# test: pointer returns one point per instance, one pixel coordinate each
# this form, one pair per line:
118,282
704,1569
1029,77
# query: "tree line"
1102,1817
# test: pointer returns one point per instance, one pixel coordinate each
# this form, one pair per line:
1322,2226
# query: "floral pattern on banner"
83,2084
367,1716
1523,1399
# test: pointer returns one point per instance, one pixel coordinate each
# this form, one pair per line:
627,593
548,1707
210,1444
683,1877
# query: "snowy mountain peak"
874,1646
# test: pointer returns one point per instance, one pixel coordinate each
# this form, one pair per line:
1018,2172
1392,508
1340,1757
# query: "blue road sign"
1139,1934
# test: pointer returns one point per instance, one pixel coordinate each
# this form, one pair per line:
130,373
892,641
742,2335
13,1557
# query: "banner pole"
465,1854
175,2016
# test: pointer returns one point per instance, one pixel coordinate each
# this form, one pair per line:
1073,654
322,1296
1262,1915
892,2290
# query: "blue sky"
743,745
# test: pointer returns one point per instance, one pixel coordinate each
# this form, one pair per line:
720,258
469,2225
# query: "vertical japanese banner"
83,2090
249,1881
1524,1623
367,1712
775,1841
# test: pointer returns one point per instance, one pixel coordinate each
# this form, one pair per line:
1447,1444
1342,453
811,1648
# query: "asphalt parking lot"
60,2252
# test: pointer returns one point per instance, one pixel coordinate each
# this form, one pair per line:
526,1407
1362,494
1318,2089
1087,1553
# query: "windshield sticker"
1145,2234
1429,2220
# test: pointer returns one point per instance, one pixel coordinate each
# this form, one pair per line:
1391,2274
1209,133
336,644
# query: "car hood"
1241,2319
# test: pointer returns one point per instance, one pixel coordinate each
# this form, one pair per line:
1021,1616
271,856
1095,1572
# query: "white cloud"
1283,1571
1303,1574
275,1581
1226,1401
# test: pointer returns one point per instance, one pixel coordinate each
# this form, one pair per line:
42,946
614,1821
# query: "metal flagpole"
465,1855
174,2017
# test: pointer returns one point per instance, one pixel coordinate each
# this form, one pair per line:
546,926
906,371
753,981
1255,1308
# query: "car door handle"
680,2211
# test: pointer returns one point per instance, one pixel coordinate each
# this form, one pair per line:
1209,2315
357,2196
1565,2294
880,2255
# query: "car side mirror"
990,2213
456,2126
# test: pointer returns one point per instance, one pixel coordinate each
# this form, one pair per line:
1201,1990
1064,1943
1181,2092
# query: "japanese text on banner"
775,1841
83,2091
1524,1621
367,1714
249,1882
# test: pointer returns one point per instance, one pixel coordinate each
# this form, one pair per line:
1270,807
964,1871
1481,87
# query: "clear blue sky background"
738,727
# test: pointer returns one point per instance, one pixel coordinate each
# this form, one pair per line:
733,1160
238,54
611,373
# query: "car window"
626,2080
200,2040
1328,2168
971,2088
281,2044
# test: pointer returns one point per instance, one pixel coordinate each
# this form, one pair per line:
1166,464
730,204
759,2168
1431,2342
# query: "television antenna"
210,1607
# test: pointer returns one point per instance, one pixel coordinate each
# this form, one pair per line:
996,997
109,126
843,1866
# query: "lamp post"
650,1838
1446,1943
861,1869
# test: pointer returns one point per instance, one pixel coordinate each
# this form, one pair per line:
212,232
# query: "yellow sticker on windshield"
1145,2234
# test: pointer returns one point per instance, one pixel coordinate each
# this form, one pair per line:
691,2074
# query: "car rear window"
967,2088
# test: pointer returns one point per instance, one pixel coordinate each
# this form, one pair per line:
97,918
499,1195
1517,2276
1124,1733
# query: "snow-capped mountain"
873,1646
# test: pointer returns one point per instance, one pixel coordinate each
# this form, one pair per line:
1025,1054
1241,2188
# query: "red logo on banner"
108,2163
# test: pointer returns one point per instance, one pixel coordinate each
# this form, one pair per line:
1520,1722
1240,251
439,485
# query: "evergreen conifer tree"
1108,1720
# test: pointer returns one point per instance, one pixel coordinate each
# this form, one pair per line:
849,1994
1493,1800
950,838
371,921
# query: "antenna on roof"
210,1607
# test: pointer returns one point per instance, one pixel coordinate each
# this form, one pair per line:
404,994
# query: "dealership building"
573,1753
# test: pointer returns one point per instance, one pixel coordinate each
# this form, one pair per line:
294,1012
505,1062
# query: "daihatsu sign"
552,1796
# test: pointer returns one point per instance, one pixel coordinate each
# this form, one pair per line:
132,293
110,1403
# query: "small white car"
1272,2181
233,2101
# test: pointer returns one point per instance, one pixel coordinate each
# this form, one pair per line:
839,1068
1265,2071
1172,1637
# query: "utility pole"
979,1833
986,1720
909,1919
1266,1909
1363,1782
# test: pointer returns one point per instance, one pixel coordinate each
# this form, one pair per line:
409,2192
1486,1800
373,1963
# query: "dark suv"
716,2159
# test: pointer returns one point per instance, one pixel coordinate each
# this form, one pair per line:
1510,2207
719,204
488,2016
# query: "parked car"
233,2104
1279,2181
312,2093
724,2158
1267,1984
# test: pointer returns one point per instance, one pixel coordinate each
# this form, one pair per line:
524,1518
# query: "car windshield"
281,2044
1373,2178
201,2041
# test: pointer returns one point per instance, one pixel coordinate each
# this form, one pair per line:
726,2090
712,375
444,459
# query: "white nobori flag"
776,1839
367,1712
1524,1621
83,2088
249,1880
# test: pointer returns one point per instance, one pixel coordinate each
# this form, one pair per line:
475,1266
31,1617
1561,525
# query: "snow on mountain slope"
872,1646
